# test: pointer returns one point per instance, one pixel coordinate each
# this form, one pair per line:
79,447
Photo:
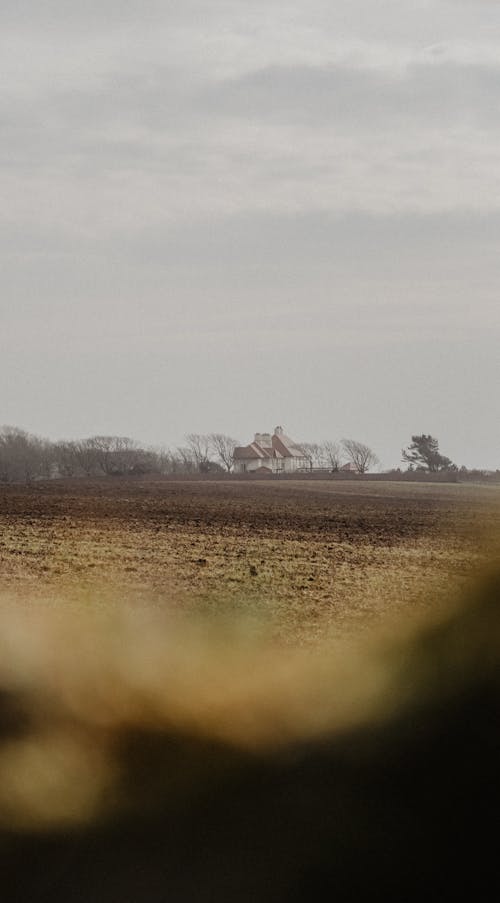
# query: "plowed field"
306,558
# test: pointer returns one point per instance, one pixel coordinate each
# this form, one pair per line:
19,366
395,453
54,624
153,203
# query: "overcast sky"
228,215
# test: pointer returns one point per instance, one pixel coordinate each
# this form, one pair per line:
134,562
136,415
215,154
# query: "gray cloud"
339,95
284,136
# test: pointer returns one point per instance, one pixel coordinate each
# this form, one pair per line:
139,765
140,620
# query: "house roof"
243,452
251,452
287,447
281,447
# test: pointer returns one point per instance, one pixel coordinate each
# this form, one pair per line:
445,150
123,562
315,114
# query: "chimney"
278,431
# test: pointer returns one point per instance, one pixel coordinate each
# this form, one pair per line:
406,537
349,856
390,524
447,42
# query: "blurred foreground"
169,761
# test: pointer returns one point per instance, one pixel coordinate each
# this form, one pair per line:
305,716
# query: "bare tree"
359,454
332,455
223,447
23,457
169,461
125,456
44,450
314,453
186,459
66,458
322,455
102,447
87,457
200,447
111,455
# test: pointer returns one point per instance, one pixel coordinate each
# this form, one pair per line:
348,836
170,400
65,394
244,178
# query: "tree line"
25,457
332,456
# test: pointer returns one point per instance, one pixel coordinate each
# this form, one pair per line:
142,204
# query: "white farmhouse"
271,454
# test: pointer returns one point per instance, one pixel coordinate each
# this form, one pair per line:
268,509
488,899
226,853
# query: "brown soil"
304,558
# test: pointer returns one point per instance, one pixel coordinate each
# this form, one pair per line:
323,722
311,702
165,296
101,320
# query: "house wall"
277,465
248,466
294,464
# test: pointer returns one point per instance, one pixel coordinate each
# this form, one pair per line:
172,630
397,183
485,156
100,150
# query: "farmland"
262,757
301,560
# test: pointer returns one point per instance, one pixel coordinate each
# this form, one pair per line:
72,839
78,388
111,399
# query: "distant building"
272,454
349,468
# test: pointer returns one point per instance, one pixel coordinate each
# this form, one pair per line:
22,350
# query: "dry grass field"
304,560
